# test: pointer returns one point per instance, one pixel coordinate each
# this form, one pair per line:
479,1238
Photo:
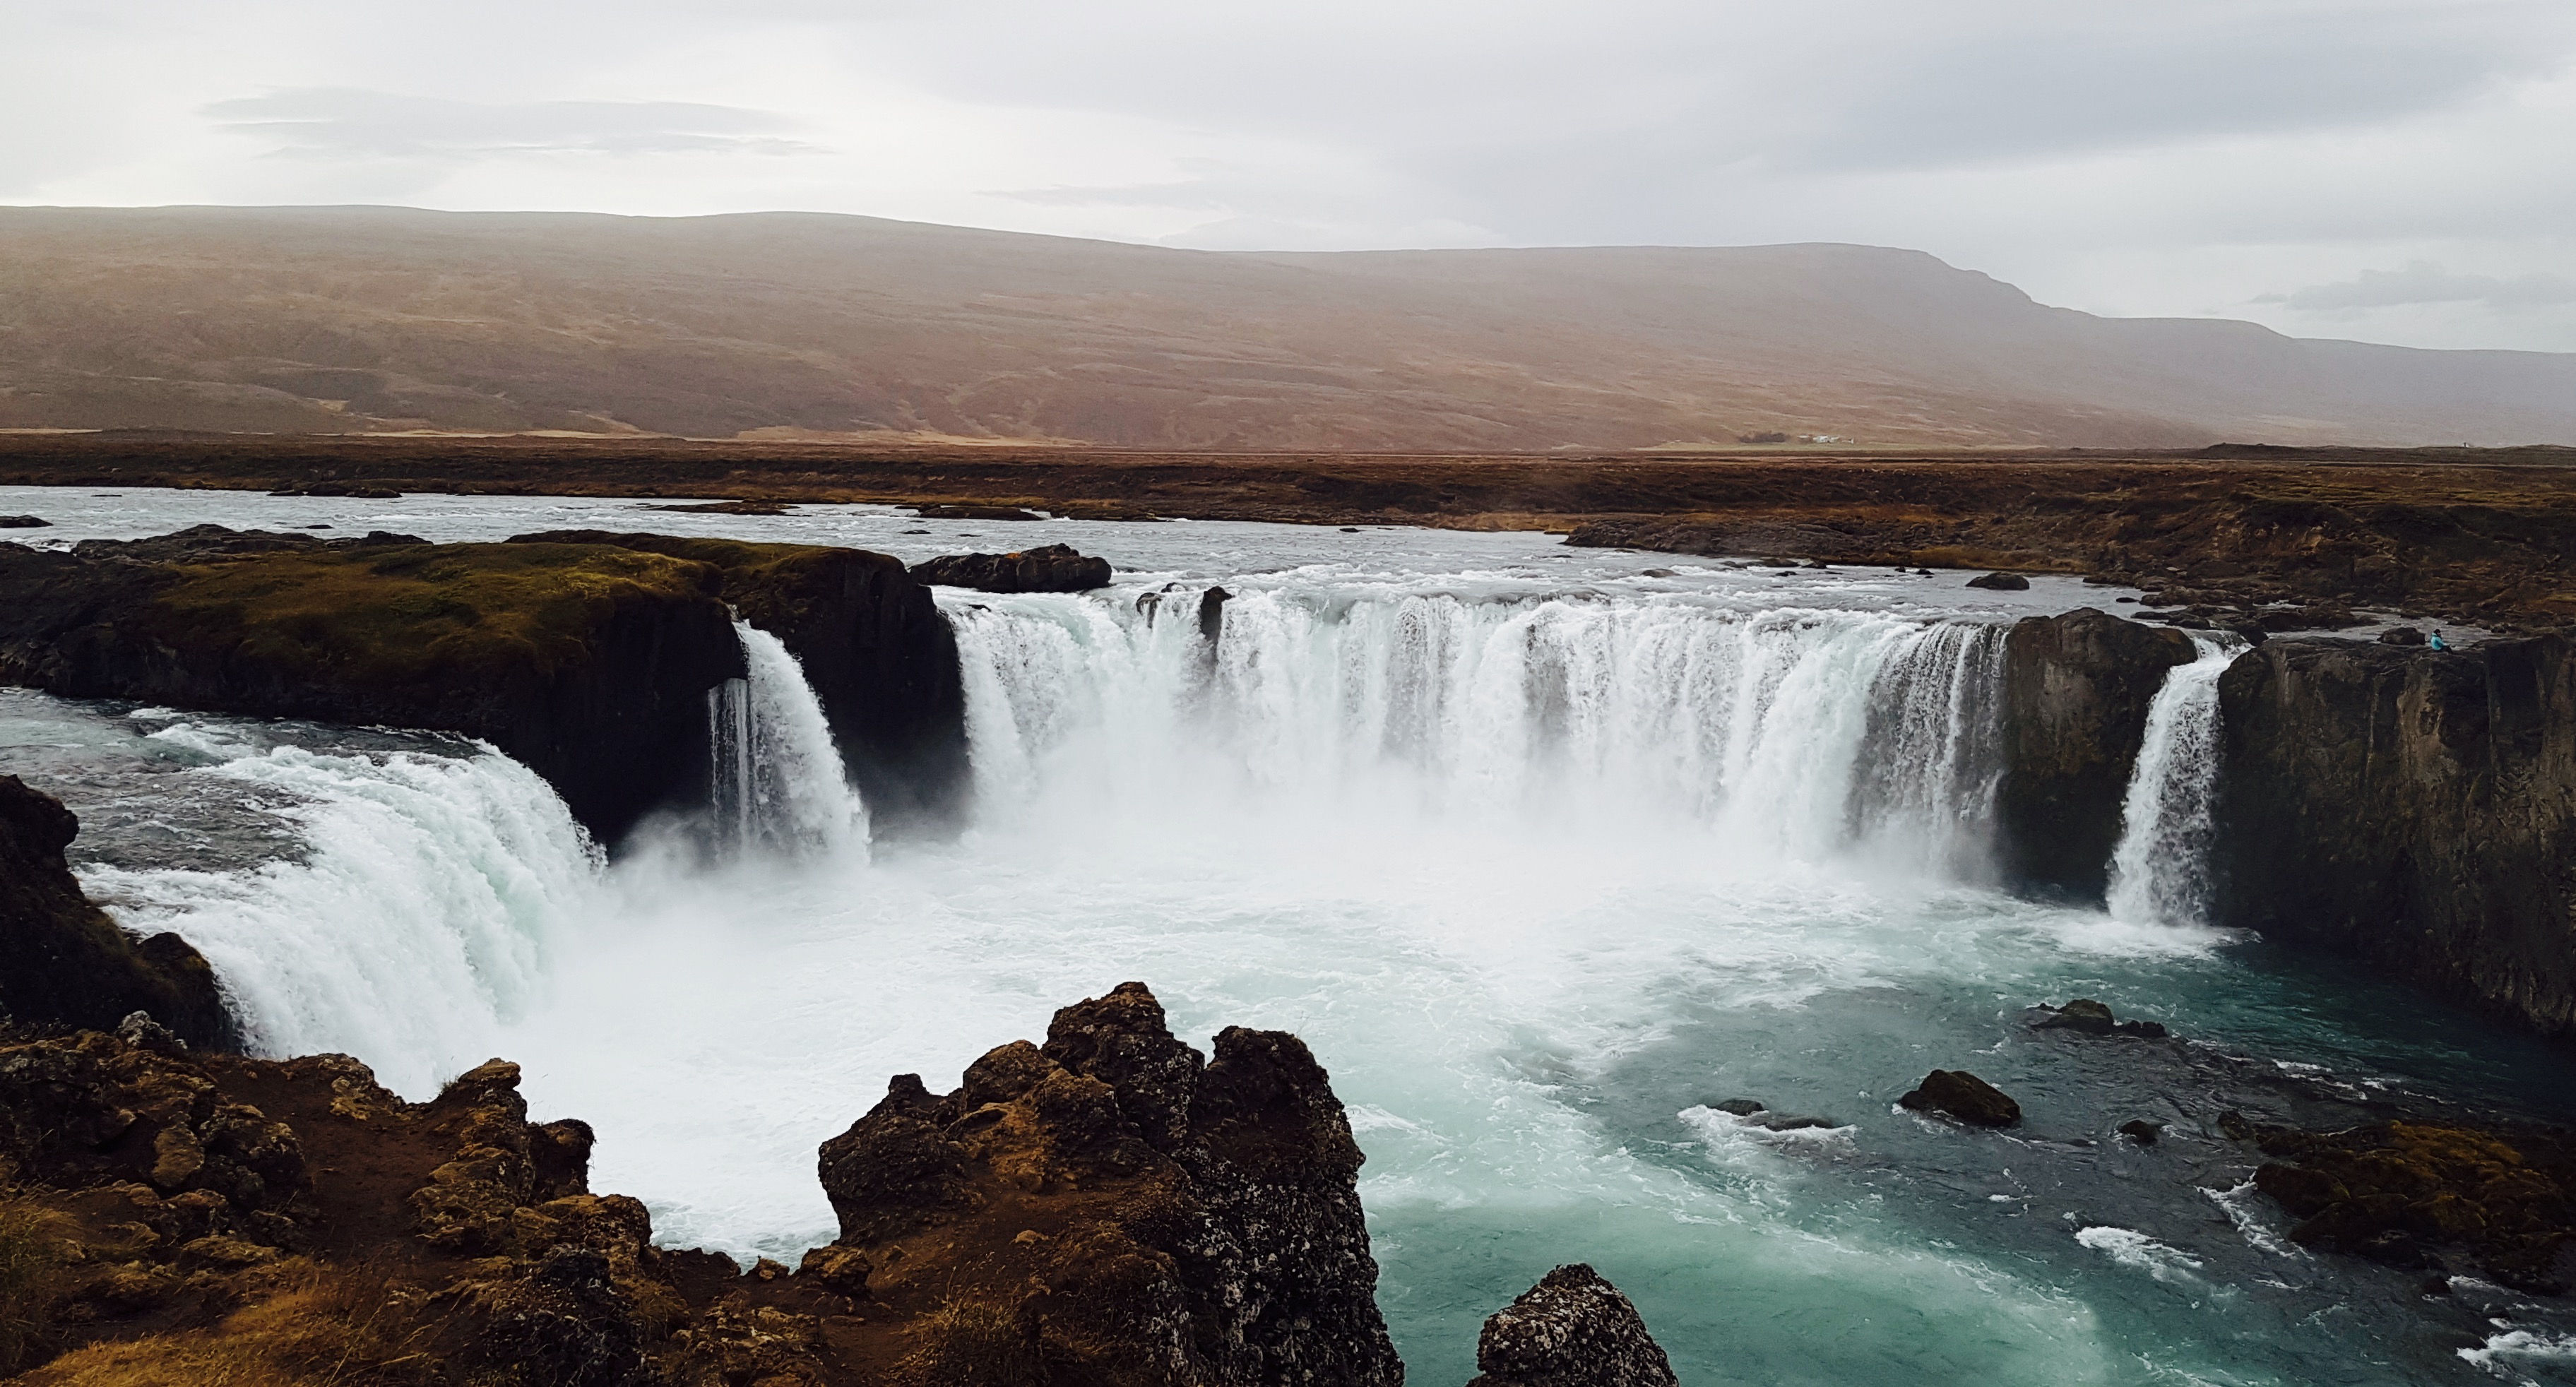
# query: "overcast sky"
2395,172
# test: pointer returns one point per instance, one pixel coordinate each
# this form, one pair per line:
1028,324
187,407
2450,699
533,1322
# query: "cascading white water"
777,782
1788,733
2158,868
419,915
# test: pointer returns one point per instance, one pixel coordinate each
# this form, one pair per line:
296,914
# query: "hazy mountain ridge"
366,319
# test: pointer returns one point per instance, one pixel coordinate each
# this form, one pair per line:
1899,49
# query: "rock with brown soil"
63,962
2405,1193
1964,1096
2076,692
1048,568
1115,1207
2411,808
1572,1329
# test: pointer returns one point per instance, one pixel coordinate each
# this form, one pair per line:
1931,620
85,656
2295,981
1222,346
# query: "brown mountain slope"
374,319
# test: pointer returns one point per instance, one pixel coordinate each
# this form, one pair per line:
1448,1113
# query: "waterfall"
1787,732
422,911
2158,869
777,782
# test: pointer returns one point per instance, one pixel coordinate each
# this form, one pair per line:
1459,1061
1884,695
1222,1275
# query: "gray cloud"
343,122
2423,282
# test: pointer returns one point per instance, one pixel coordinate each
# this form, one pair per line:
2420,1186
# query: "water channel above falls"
1542,852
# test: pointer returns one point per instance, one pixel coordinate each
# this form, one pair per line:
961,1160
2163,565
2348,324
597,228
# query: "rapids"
1544,852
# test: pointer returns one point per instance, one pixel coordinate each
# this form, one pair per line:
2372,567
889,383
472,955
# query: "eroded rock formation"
1132,1212
1572,1329
1048,568
2076,692
64,963
881,658
588,660
2412,808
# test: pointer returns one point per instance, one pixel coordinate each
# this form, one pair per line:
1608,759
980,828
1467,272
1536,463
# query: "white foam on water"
2513,1352
2256,1219
2138,1252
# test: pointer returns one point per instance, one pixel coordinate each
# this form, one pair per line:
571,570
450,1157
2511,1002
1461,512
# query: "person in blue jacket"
2436,642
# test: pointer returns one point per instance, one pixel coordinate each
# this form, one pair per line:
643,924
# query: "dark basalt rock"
1049,568
2076,692
2089,1017
1205,1219
2410,808
2141,1131
2401,635
2001,582
24,522
1964,1096
1572,1329
63,962
585,656
2403,1192
880,657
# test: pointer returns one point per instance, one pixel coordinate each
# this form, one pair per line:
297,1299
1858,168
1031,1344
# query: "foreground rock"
2410,808
2076,692
1113,1207
63,963
1572,1329
1049,568
587,658
1964,1096
2406,1193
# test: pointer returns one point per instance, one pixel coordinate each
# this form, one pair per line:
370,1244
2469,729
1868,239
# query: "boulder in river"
1048,568
2000,582
1572,1329
2075,698
23,522
2089,1017
63,962
1964,1096
1118,1207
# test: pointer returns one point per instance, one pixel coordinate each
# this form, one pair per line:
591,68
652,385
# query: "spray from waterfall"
2159,867
777,782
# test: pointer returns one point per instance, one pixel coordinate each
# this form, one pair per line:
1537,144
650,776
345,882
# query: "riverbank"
2464,535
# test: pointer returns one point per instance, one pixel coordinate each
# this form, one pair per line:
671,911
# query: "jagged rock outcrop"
585,659
63,962
2412,808
1048,568
2407,1193
2076,692
880,656
1114,1208
1572,1329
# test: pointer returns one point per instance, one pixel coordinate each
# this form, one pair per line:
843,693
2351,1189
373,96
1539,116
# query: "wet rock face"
1050,568
1964,1096
63,962
2076,692
1573,1329
881,659
1131,1211
2415,809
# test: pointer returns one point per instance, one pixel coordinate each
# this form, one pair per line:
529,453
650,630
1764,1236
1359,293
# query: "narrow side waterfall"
2158,869
421,913
1780,733
778,784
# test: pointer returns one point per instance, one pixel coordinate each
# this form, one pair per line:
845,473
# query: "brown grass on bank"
318,1330
965,1343
30,1280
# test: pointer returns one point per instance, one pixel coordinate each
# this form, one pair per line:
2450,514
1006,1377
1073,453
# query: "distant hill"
380,319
